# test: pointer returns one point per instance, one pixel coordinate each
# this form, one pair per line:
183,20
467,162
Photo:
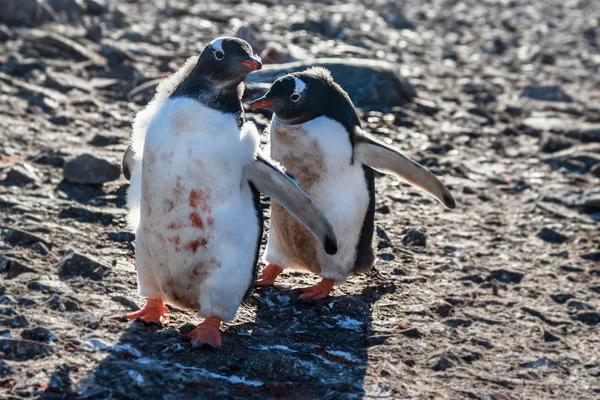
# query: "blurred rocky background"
498,299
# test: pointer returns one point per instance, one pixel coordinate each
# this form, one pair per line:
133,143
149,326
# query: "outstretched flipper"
128,163
383,158
273,182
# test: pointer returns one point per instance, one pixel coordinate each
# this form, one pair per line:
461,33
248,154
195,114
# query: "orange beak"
252,65
262,104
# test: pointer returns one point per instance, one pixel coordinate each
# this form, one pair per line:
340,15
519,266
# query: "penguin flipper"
128,163
383,158
272,181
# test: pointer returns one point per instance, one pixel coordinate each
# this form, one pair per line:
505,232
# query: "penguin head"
300,97
227,60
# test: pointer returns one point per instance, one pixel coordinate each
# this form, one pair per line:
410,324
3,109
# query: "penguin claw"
206,333
152,313
268,275
318,291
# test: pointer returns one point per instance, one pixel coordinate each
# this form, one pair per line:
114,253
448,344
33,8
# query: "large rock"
38,334
13,268
414,237
21,237
506,276
21,350
370,83
546,93
551,143
75,264
89,170
26,12
580,158
586,132
15,322
22,174
551,236
588,200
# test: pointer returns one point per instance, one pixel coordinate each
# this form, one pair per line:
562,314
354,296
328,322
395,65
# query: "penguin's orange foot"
206,333
268,275
318,291
152,313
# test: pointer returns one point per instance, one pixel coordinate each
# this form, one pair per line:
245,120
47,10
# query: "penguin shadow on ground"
277,347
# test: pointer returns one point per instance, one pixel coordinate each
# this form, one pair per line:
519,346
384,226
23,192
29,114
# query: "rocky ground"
498,299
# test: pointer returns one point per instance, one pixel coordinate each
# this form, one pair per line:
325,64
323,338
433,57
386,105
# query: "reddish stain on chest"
175,240
199,199
198,269
174,226
195,244
196,220
177,191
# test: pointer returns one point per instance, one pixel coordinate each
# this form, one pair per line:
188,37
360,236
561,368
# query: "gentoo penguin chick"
316,136
194,192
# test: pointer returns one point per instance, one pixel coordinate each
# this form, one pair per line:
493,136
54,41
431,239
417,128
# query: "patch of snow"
159,364
326,361
175,347
127,347
232,378
137,377
145,361
276,347
349,323
100,345
283,299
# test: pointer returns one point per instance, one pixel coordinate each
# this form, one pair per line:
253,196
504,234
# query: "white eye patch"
217,45
299,86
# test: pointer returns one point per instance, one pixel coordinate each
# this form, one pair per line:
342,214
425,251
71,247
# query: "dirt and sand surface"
497,299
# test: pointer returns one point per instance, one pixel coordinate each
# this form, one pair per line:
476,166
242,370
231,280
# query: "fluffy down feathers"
140,126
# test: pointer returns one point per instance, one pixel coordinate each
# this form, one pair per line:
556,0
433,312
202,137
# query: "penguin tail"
134,196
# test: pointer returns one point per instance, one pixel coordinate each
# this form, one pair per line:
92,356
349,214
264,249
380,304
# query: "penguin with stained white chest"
316,135
194,192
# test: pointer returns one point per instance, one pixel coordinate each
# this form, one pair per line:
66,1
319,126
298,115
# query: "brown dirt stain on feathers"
181,123
170,202
200,198
295,238
197,269
175,240
196,220
195,244
289,134
182,292
147,196
308,167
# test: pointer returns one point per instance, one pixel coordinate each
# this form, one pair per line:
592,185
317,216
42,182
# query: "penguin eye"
295,97
219,55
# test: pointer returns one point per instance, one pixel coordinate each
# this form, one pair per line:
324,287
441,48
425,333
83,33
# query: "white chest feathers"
197,220
319,155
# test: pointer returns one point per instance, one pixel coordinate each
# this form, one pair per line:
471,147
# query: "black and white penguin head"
302,96
227,60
